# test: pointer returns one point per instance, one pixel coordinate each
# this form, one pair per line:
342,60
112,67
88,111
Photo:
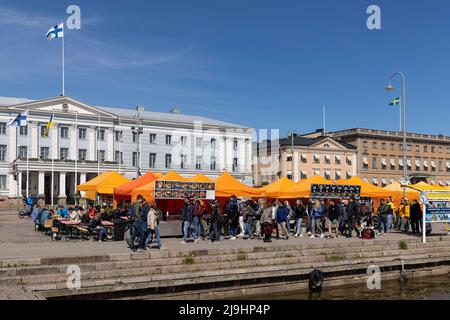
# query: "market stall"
277,189
227,185
101,188
303,188
124,191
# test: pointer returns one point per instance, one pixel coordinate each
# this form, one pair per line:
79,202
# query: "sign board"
437,215
182,190
332,191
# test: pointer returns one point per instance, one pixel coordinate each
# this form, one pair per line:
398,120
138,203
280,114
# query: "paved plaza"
19,240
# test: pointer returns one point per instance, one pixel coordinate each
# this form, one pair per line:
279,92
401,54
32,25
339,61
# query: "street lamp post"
137,131
390,88
292,153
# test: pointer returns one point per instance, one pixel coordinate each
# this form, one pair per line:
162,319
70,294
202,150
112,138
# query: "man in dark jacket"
416,216
216,218
299,213
353,216
136,226
188,214
233,217
144,212
282,213
249,216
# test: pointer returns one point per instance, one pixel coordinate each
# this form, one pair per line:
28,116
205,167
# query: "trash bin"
119,230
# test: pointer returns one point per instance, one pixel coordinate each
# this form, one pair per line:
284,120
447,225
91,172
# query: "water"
424,288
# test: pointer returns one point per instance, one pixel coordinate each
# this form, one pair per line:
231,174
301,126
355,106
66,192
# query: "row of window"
118,135
326,174
118,157
418,148
326,159
152,159
417,164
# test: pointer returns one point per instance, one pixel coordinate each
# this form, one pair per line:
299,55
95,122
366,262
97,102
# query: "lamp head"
389,88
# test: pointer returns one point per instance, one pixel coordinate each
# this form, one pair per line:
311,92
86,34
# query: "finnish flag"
56,32
20,120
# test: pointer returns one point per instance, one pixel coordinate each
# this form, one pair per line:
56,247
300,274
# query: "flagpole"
63,70
28,152
96,146
53,160
76,157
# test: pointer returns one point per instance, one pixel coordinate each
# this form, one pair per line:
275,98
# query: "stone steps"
175,268
208,262
212,277
145,267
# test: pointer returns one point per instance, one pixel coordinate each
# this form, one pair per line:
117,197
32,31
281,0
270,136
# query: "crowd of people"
247,219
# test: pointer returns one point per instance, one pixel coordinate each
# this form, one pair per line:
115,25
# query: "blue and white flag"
20,120
56,32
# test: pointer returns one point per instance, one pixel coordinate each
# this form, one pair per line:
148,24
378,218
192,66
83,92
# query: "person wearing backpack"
135,216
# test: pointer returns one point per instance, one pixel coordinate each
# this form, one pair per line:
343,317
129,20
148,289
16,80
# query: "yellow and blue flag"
395,102
49,125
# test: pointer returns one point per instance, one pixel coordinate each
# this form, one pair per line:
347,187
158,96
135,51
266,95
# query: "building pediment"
328,143
61,105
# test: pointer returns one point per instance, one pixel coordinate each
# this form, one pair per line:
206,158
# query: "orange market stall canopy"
277,189
227,185
303,188
104,184
395,191
367,190
124,191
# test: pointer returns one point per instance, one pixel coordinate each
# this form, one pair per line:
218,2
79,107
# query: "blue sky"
265,64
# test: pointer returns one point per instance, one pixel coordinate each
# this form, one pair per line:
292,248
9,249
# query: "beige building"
300,158
380,155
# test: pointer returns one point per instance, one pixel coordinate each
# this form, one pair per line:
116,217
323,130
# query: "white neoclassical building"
87,140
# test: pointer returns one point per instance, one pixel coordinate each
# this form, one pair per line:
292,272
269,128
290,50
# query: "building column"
55,149
221,143
110,142
91,156
12,186
73,143
34,140
41,185
249,160
62,197
296,173
12,144
241,154
20,182
229,154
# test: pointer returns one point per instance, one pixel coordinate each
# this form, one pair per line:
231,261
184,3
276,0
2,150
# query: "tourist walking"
136,225
198,212
249,216
215,222
233,217
383,211
145,209
416,217
332,220
266,222
188,214
299,213
282,214
316,219
353,217
390,215
289,217
404,213
152,227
